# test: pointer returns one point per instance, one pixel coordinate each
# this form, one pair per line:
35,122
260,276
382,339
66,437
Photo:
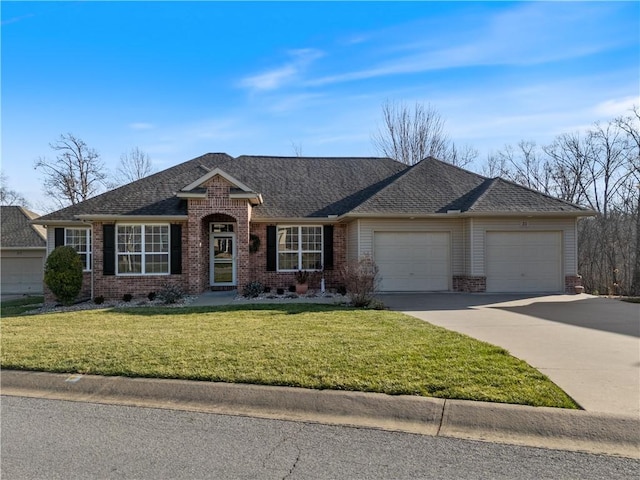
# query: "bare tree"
9,196
297,148
569,156
630,125
134,165
76,174
460,156
522,164
496,166
598,168
409,136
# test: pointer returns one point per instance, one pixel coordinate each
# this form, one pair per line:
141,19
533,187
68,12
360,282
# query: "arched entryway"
219,234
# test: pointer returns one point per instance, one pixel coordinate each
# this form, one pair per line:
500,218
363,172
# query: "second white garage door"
413,261
524,261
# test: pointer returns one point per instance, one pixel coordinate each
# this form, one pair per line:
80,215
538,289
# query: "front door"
223,258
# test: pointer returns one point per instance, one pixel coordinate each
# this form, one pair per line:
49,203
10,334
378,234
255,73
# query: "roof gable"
17,230
216,171
498,194
428,187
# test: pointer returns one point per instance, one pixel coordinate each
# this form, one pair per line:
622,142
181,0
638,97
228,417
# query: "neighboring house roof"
17,230
303,187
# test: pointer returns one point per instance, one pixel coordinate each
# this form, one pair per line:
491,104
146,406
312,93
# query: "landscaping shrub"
99,300
151,296
280,291
376,304
292,288
341,290
127,297
63,274
253,289
361,280
170,293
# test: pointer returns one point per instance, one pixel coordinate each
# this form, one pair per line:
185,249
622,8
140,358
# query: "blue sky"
180,79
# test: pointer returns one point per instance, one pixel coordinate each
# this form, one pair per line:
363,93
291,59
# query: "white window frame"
143,253
300,251
88,242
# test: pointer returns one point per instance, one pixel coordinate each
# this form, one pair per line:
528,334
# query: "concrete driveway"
589,346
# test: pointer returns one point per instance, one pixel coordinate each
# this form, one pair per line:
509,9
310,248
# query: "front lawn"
313,346
20,305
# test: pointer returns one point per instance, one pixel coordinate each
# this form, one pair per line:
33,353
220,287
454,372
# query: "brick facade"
217,207
470,284
115,286
258,262
571,282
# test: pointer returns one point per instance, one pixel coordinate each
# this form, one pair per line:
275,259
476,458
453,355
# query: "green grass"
20,305
313,346
631,299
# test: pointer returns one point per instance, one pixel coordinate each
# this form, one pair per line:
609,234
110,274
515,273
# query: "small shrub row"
169,294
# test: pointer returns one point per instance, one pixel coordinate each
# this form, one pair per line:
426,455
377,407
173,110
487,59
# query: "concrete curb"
513,424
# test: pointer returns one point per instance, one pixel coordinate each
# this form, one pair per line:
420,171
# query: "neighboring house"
22,252
429,227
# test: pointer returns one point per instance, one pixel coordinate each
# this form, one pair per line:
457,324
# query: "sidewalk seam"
444,406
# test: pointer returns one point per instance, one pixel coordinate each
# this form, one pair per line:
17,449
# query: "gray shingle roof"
16,229
430,186
504,196
300,187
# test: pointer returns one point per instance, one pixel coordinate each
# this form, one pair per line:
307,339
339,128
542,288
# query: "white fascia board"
59,223
191,195
254,198
470,215
586,213
296,220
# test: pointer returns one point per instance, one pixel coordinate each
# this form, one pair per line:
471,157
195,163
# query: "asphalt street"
55,439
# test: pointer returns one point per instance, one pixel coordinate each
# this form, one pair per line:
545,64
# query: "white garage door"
412,261
524,262
22,275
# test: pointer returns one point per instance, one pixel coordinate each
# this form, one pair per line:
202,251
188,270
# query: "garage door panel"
412,261
22,275
524,261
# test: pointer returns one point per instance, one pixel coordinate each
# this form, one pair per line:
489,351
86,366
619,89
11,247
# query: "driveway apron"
588,346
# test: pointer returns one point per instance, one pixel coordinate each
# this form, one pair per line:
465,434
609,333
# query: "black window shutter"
59,237
109,249
272,251
176,249
328,247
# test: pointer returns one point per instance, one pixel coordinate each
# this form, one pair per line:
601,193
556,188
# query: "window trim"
300,251
87,267
143,253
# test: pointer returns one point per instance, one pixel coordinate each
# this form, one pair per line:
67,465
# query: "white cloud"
527,34
141,126
616,106
270,80
273,79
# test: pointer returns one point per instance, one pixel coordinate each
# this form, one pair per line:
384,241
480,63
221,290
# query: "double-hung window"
142,249
80,240
299,248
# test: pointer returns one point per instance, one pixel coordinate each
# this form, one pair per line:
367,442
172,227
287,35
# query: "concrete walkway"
589,346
